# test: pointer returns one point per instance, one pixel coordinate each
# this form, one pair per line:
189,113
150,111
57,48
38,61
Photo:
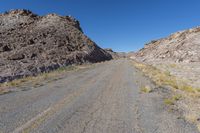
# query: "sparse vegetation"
146,89
164,78
176,97
181,90
36,80
188,88
193,118
169,101
172,100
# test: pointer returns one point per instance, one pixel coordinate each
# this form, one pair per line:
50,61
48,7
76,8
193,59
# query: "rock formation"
32,44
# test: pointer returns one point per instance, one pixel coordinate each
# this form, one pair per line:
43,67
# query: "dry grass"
188,88
4,91
172,100
162,78
177,97
36,80
146,89
181,90
169,101
193,118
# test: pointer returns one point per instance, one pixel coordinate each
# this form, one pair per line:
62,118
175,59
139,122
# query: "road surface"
105,98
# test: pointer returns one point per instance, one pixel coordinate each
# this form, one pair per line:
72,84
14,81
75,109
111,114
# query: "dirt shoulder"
184,95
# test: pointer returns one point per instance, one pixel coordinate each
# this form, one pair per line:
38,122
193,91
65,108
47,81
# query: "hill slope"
182,46
178,58
31,44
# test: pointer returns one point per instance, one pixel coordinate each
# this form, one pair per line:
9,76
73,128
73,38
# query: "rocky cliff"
182,46
32,44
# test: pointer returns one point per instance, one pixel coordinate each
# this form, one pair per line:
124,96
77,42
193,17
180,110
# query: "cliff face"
31,44
182,46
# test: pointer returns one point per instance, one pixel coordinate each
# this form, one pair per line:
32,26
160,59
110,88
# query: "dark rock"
5,48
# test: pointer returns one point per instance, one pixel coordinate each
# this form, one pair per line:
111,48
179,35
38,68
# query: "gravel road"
105,98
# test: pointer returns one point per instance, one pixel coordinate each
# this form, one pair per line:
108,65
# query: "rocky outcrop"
182,46
32,44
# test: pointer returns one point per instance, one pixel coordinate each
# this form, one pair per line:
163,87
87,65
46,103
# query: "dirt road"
103,99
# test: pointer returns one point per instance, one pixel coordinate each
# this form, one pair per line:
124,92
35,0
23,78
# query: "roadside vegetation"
164,78
184,96
146,89
36,81
173,99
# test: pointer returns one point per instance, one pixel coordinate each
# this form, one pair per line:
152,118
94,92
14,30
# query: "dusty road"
103,99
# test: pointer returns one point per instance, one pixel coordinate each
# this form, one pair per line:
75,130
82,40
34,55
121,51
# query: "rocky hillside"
32,44
182,46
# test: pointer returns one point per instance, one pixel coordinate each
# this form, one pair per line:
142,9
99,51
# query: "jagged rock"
31,44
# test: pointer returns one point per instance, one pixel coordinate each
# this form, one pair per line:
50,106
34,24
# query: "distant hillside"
182,46
31,44
115,55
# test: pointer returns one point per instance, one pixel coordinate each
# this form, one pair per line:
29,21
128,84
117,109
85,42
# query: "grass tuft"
146,89
188,88
173,99
169,101
176,97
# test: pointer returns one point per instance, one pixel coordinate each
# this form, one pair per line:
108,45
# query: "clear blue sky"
124,25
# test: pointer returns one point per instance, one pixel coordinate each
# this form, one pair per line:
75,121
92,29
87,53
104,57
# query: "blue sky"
123,25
